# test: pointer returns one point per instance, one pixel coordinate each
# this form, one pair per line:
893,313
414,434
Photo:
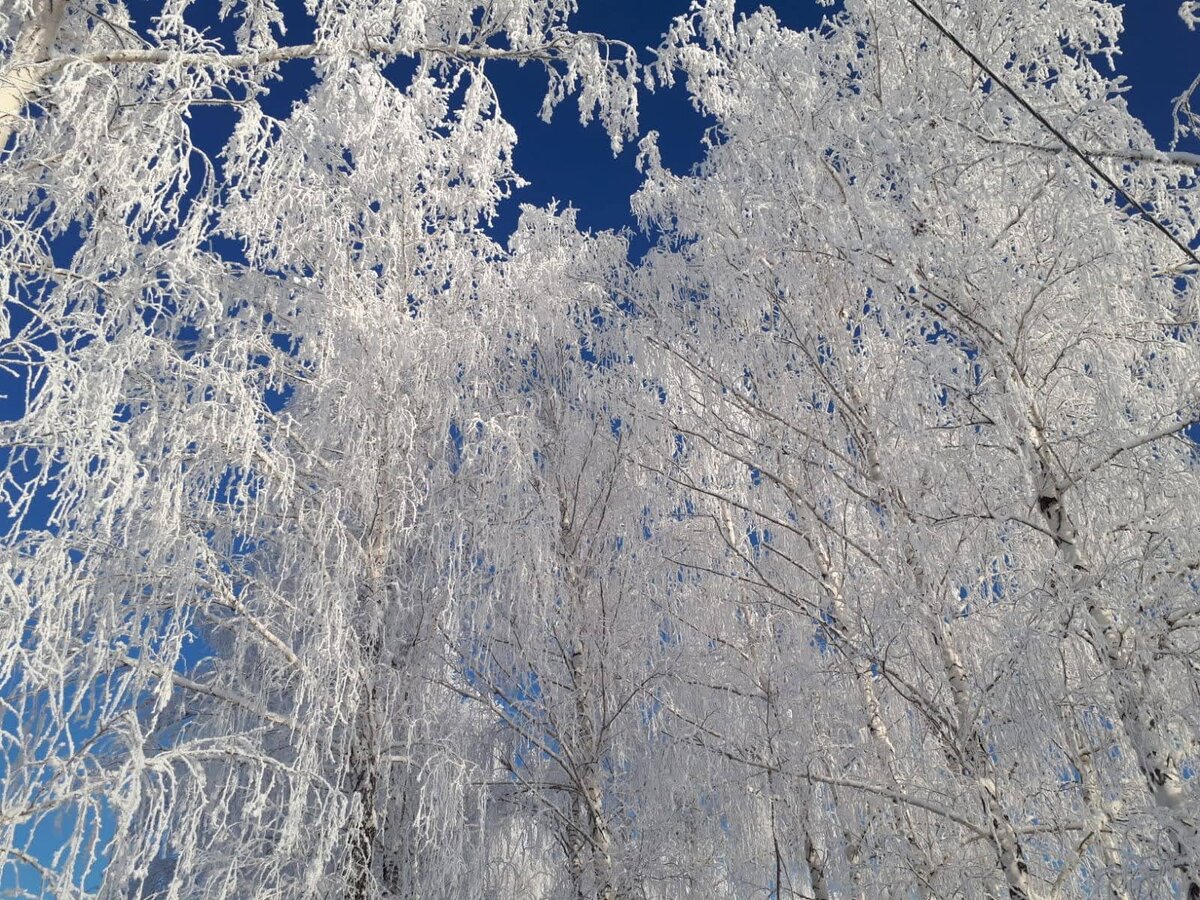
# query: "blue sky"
574,164
571,163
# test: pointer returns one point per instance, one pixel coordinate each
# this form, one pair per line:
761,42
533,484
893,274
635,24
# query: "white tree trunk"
20,80
1144,725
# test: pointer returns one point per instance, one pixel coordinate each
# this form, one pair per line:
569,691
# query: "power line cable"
1049,126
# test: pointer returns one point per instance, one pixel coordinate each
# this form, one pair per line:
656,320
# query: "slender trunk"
577,849
970,747
363,770
20,82
1098,816
364,763
978,766
362,838
816,868
881,742
1143,724
779,864
776,852
590,861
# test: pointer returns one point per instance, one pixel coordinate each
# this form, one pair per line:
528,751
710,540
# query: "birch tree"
228,568
843,546
929,382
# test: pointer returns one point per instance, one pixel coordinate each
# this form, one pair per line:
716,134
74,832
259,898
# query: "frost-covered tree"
236,534
929,381
844,546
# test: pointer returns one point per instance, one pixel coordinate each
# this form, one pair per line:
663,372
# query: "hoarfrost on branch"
845,545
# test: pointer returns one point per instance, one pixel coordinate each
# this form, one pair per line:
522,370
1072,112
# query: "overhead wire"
1054,130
